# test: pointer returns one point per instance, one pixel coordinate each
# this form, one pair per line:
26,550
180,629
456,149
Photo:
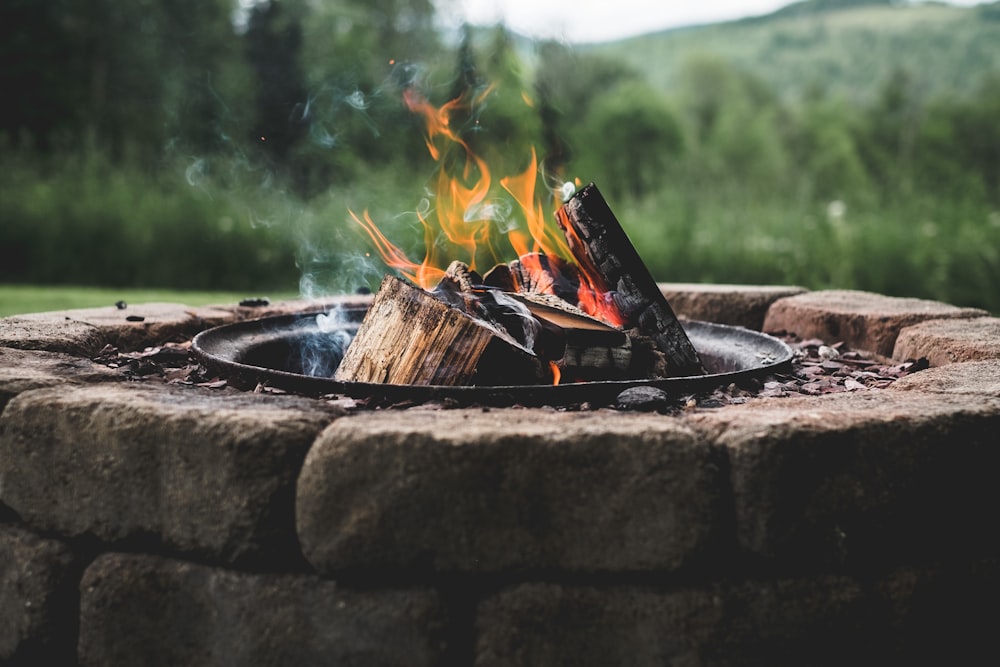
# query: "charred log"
611,263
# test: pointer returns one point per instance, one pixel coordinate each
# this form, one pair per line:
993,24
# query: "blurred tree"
117,76
736,121
889,132
41,71
957,150
823,151
567,82
632,138
356,57
273,44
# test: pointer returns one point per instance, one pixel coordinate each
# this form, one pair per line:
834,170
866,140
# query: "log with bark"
520,323
607,258
410,336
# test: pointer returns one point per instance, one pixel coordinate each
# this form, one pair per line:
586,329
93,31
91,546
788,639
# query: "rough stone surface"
476,490
38,599
53,334
942,615
206,472
85,331
736,305
973,379
23,370
861,320
944,342
821,621
144,610
862,478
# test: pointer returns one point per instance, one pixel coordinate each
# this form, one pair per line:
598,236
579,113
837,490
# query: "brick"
861,320
973,378
476,490
863,478
152,611
52,335
24,370
205,472
85,331
735,305
826,620
38,599
944,342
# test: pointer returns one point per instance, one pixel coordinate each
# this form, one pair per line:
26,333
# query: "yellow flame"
461,226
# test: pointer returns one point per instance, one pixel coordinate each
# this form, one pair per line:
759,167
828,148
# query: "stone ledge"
37,599
150,611
476,490
210,473
861,479
944,342
735,305
53,335
862,320
973,379
907,616
24,370
85,331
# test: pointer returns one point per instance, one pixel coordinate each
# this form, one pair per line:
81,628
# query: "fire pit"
282,352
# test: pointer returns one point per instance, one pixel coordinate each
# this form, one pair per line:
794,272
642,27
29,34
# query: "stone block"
942,615
151,611
861,320
735,305
202,471
85,331
52,334
38,599
973,378
944,342
826,620
23,370
861,479
478,490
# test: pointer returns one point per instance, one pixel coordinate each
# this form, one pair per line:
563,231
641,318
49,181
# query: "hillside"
847,51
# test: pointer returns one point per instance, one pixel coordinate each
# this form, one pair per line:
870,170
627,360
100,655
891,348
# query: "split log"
409,336
587,349
610,262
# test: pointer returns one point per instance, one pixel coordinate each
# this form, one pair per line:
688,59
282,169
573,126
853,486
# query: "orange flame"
556,372
463,223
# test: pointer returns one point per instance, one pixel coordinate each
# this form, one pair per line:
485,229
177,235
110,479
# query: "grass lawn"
21,299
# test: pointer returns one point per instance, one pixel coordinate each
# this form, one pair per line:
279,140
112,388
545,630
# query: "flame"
595,297
463,223
556,372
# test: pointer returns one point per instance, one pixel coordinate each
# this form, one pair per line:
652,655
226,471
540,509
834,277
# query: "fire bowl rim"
218,350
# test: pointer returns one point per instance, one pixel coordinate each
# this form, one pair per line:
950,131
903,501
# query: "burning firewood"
411,336
521,324
620,285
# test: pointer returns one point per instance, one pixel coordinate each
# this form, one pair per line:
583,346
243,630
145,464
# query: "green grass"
23,299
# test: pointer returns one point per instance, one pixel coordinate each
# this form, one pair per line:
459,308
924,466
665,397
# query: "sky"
581,21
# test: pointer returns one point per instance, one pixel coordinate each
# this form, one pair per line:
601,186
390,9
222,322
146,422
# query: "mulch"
817,368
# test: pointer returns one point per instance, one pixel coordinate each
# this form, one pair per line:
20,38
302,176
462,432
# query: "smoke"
320,355
530,326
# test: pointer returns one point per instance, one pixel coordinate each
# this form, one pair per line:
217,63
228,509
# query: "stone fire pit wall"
146,523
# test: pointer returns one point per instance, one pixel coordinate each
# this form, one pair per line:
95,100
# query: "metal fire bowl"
269,351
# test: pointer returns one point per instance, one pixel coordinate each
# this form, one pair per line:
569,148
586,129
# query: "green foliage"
849,53
635,137
83,221
162,144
